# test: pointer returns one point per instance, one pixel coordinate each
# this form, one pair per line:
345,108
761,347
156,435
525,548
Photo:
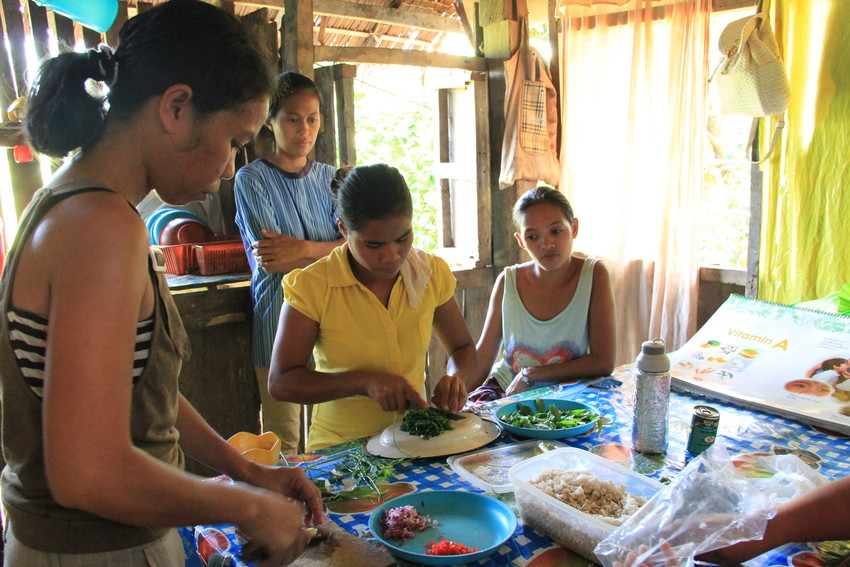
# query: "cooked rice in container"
585,492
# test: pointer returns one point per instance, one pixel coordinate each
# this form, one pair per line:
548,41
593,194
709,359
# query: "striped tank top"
28,333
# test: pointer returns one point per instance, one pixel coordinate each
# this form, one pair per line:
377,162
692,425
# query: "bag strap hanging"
774,140
762,8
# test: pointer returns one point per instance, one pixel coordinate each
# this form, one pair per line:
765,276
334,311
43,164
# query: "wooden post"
444,152
40,29
264,30
554,63
120,18
25,177
259,24
751,287
298,37
65,32
326,140
17,44
505,251
484,181
91,38
344,87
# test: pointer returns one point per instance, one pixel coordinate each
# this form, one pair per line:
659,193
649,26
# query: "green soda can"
703,429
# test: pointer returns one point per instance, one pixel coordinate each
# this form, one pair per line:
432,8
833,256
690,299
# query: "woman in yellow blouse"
365,313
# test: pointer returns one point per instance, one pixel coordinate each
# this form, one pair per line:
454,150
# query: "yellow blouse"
356,332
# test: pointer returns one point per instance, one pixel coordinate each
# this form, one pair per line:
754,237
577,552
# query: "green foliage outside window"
403,139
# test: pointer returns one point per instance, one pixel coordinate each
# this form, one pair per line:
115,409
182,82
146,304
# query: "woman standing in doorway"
286,216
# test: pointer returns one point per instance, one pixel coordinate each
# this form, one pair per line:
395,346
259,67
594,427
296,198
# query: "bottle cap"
655,346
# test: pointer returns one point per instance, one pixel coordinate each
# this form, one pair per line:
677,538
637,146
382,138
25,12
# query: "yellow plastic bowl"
263,449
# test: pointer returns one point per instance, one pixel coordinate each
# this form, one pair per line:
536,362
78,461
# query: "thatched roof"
398,24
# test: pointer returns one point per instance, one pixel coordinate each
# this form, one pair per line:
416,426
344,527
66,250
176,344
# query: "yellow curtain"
805,237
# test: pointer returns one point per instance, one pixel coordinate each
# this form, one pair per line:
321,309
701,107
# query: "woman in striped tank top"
94,426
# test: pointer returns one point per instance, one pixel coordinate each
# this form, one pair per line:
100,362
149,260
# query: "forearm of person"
311,251
134,488
486,352
202,443
490,341
463,363
304,386
583,367
820,515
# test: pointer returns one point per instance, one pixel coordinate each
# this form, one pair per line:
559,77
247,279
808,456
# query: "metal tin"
652,396
703,429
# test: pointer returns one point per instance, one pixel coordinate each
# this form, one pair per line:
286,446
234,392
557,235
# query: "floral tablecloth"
748,435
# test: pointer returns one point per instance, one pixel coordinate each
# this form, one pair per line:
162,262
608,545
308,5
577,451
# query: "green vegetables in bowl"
548,418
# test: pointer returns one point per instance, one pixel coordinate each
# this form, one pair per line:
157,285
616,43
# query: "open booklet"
777,358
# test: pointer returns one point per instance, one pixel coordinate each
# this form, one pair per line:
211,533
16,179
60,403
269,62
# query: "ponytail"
62,113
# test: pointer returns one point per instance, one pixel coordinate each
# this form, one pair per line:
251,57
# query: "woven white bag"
751,81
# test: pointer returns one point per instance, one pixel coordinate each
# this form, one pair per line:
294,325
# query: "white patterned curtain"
633,87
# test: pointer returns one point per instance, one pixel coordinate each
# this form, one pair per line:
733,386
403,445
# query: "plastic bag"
709,505
791,478
835,302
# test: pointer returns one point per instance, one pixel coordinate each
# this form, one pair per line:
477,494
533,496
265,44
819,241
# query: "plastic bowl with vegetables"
469,520
547,418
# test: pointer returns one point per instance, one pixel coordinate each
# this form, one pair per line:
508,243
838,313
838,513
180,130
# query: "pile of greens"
353,471
539,417
428,423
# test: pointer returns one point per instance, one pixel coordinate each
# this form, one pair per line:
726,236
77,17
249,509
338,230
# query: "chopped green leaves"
427,423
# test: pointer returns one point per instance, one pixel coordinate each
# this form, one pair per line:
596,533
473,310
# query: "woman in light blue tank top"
551,319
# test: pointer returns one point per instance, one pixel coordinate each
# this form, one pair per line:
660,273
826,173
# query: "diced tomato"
446,547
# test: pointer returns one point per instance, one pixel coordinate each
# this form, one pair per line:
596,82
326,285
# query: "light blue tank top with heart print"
528,341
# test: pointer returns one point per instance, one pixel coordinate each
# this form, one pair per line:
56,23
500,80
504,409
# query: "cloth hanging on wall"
529,148
805,200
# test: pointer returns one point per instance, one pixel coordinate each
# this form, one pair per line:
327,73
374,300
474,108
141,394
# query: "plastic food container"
179,259
221,258
564,524
263,449
488,469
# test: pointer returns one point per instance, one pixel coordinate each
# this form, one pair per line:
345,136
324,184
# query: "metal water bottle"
652,397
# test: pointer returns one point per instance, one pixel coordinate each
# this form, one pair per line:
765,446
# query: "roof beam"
389,56
325,31
389,16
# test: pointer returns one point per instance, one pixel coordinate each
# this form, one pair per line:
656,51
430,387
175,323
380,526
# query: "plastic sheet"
709,505
835,302
805,201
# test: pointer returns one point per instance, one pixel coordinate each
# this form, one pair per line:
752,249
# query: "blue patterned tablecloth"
748,434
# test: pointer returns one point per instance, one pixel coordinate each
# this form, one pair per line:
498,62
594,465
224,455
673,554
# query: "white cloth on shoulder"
415,273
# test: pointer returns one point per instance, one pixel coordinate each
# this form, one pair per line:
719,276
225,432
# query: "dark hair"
538,196
370,192
180,41
289,84
831,363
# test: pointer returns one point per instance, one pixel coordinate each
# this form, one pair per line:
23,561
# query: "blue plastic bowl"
165,216
563,405
468,518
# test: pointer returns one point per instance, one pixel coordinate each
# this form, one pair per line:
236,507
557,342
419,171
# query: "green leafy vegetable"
357,472
427,423
547,419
